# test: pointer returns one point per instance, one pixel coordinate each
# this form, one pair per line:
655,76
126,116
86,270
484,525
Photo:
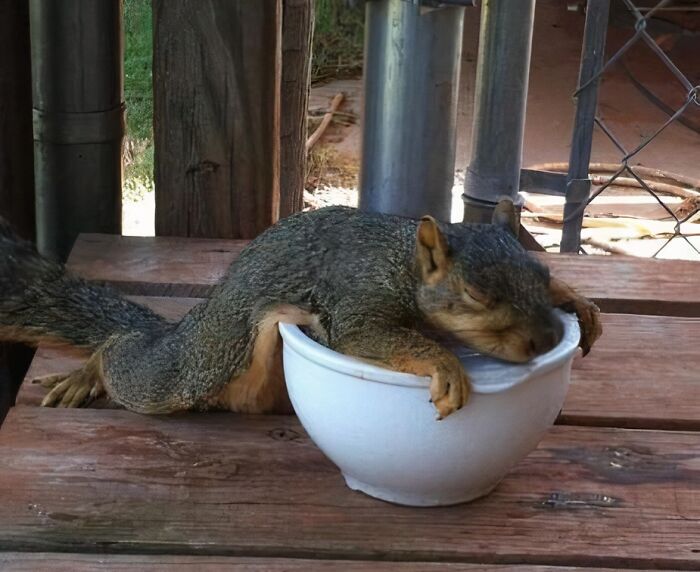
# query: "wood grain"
297,32
222,484
56,562
623,382
216,78
154,266
165,266
625,284
644,372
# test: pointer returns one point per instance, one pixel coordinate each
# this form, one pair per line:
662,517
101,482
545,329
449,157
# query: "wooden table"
615,484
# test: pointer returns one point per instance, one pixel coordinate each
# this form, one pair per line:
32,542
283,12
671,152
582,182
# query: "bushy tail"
41,301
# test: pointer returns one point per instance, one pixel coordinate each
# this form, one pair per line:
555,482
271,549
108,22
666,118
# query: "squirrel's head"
478,284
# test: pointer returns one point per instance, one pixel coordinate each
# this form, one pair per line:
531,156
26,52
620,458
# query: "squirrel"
363,284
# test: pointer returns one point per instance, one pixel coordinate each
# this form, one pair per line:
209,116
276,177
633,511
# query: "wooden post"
16,161
297,33
77,71
216,75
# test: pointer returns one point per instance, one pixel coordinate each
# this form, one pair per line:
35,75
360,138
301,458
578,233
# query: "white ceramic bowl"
378,426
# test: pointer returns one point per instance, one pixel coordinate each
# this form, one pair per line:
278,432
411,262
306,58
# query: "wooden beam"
216,87
297,32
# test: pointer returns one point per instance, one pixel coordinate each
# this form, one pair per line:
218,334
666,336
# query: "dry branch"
325,122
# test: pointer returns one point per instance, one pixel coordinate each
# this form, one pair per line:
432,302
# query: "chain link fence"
656,183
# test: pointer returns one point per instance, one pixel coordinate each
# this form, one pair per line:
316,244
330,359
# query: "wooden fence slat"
184,267
622,383
216,78
297,31
256,486
56,562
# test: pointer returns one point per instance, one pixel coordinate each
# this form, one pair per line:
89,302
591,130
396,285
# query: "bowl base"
417,500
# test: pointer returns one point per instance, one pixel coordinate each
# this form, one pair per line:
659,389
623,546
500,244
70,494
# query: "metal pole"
502,74
578,181
412,57
78,112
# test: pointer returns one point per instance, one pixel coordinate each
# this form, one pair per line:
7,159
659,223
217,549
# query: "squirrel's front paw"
449,388
589,321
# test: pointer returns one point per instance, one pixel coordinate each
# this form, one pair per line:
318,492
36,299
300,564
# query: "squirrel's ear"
505,215
431,250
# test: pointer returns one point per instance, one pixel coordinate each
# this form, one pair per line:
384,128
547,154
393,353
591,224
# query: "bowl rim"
295,339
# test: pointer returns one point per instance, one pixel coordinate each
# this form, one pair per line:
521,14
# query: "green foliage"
338,40
138,93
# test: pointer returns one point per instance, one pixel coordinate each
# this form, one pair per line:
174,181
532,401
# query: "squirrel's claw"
76,389
449,390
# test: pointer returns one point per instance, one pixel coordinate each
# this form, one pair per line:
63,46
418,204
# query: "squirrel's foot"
449,389
76,389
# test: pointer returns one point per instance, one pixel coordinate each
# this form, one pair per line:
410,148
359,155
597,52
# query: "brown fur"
260,388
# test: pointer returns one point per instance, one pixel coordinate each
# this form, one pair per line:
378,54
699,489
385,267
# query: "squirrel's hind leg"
76,389
260,388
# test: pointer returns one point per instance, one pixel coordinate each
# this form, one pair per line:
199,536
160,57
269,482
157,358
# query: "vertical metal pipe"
578,184
412,57
502,73
77,62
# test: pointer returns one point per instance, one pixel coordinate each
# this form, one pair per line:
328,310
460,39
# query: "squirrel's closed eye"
476,297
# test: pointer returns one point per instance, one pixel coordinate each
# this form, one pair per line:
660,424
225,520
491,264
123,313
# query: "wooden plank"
166,266
154,266
118,482
216,97
623,382
56,562
297,31
628,285
642,373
